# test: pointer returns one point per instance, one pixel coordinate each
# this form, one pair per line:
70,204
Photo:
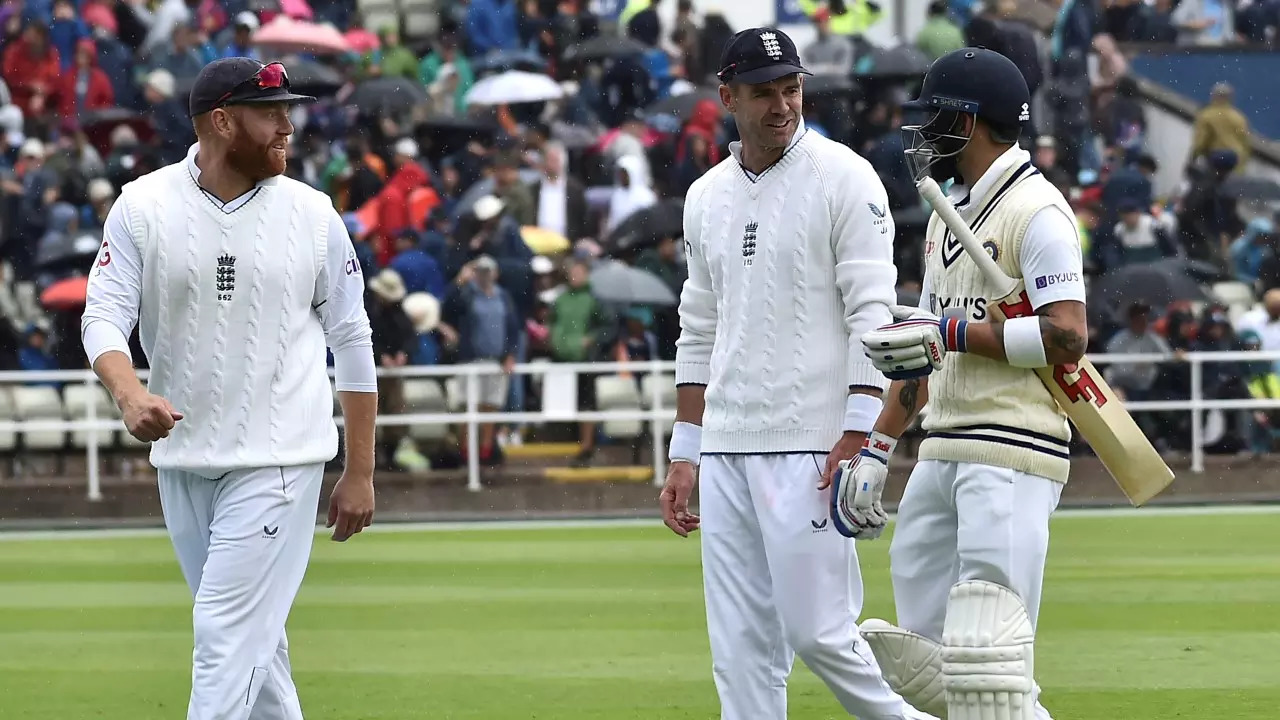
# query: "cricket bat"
1079,389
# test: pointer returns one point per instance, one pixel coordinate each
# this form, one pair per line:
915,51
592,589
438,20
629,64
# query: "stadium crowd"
493,172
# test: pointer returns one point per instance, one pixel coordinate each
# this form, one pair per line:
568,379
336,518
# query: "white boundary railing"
655,413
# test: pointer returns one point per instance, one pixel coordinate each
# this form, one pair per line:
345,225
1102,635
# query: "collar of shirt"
735,147
1013,157
227,207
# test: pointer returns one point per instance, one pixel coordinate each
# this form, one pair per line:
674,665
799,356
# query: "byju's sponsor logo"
1045,281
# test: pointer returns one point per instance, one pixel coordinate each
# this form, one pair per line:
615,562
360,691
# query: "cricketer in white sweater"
786,271
235,305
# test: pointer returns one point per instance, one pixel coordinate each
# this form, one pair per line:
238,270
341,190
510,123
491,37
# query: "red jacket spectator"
97,91
32,70
393,208
704,121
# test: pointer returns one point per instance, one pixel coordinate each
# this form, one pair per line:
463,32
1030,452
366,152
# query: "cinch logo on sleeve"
1045,281
352,265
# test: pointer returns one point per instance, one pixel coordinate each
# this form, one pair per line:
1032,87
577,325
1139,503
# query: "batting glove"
915,345
856,511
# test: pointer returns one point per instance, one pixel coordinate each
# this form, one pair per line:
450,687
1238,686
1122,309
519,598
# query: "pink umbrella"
289,35
362,41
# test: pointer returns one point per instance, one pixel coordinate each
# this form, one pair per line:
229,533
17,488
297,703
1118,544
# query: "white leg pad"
987,661
910,663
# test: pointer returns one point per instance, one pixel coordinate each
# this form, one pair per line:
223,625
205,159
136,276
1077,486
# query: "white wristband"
861,412
1023,343
686,443
880,445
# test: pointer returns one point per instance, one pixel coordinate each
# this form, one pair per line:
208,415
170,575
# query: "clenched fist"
148,417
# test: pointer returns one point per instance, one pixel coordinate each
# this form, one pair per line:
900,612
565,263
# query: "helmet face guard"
933,148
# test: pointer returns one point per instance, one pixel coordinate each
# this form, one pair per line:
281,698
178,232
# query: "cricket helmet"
969,81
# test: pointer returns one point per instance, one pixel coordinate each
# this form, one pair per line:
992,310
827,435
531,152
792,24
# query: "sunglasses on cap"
271,76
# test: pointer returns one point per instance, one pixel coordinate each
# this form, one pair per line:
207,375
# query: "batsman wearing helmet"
972,534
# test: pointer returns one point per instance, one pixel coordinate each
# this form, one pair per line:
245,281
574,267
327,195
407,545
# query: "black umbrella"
1251,188
504,60
1155,284
828,85
441,135
603,47
390,93
312,78
903,61
616,282
77,249
681,106
647,227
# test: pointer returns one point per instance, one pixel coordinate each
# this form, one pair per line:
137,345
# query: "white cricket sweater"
786,272
981,410
228,322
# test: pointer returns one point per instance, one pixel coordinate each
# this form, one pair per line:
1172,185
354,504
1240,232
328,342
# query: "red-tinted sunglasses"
271,76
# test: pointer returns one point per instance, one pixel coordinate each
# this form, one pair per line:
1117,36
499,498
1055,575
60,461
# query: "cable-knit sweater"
227,320
787,270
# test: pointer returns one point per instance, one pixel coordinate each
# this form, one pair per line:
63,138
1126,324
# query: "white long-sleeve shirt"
787,270
236,303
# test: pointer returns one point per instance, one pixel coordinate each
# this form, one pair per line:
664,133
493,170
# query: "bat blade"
1099,415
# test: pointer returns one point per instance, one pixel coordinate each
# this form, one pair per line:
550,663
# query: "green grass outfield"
1146,617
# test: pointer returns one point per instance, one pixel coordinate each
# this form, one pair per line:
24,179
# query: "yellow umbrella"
543,241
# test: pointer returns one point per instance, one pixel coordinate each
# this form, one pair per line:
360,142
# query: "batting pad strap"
686,443
955,333
1023,343
861,411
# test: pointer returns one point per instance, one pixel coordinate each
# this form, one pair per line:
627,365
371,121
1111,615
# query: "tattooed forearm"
909,398
1061,345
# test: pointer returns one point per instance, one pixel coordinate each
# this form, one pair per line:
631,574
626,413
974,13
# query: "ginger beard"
255,159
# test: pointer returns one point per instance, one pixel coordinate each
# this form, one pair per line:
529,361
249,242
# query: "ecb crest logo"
226,279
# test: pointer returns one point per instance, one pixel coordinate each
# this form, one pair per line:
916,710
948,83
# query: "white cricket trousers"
780,582
243,543
967,521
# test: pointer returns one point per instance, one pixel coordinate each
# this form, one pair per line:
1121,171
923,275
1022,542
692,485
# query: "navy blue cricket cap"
978,81
240,80
759,55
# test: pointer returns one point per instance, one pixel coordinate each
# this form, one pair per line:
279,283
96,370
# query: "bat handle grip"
932,194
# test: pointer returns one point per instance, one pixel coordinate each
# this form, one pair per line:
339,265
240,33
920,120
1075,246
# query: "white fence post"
1197,414
91,450
473,427
655,423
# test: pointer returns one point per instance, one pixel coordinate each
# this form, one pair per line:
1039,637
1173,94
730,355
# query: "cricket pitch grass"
1145,617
